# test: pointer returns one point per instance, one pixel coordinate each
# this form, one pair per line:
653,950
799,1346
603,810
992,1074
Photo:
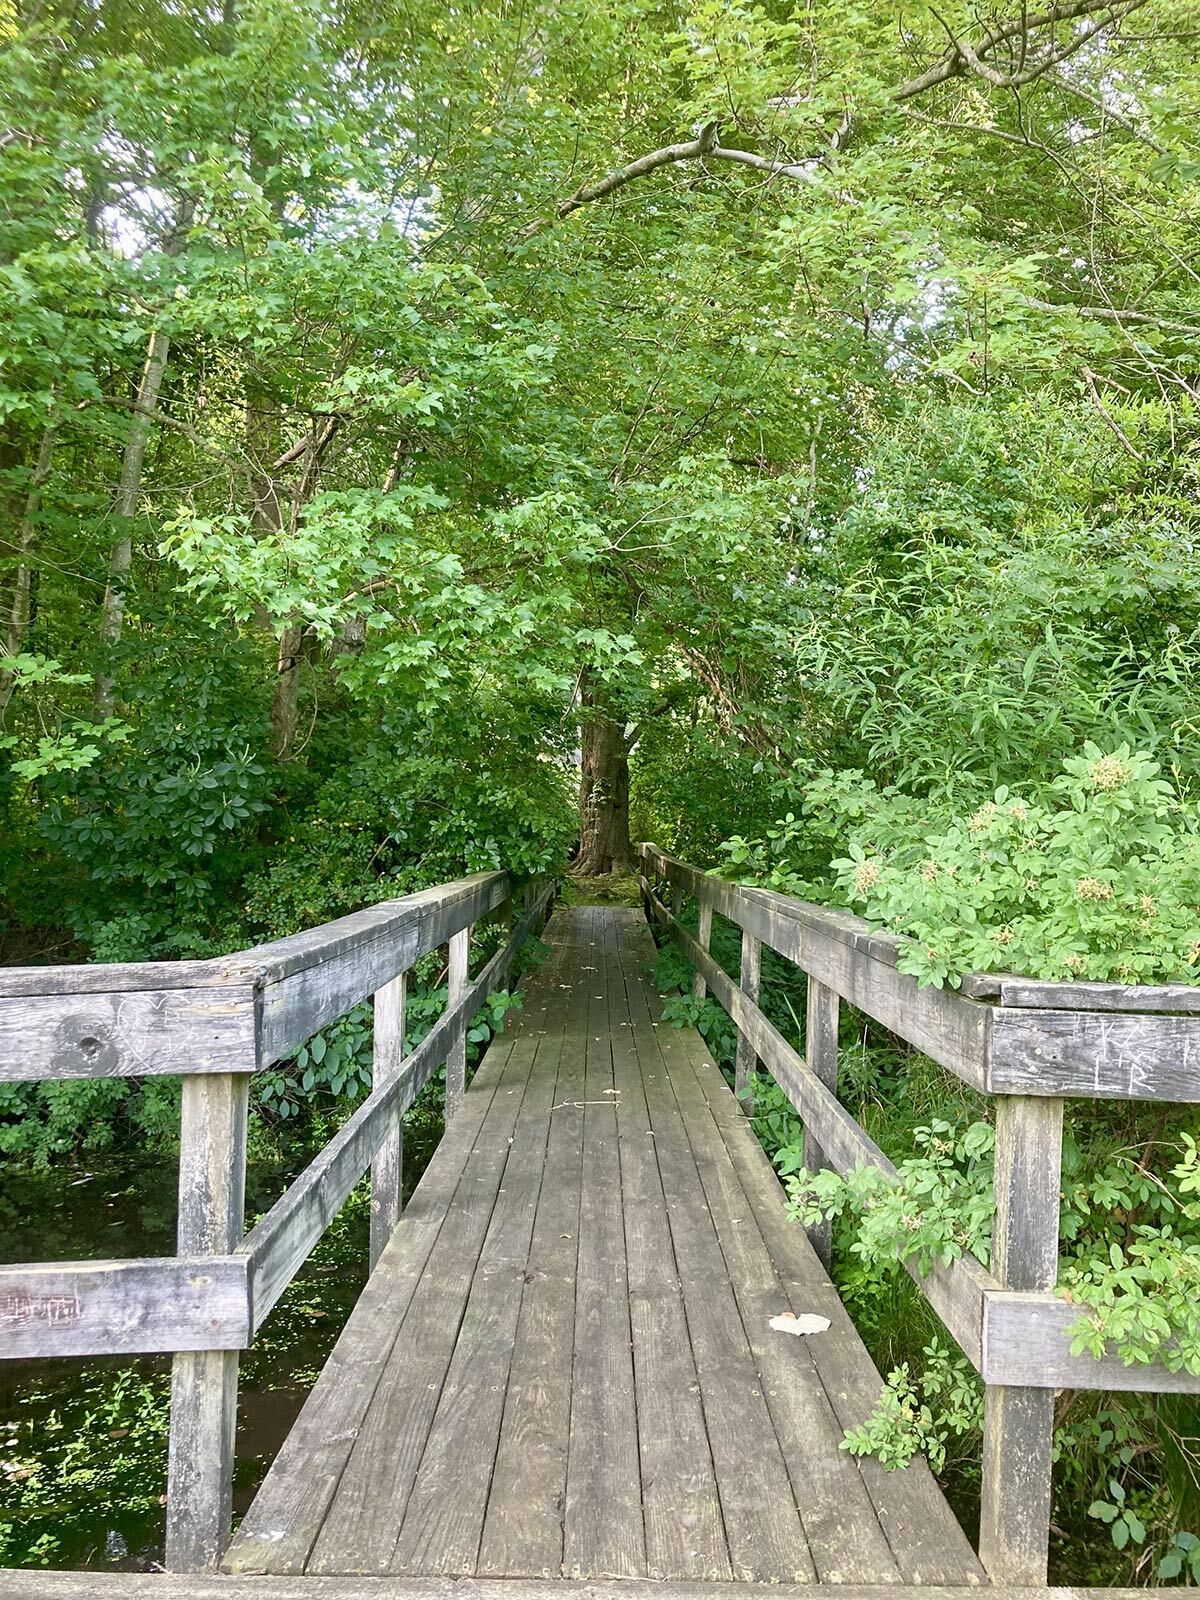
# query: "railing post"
821,1052
456,1062
212,1192
387,1169
703,939
1018,1426
747,1059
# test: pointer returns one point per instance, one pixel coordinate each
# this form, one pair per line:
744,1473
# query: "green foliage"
1124,1525
1094,876
918,1416
937,1208
1182,1559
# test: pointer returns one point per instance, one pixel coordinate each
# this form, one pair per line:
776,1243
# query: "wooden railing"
216,1023
1029,1043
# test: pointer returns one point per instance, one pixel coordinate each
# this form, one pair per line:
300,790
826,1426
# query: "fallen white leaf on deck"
809,1322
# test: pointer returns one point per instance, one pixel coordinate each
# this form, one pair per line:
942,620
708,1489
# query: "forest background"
783,419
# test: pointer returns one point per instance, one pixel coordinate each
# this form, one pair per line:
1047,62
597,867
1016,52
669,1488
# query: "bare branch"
961,57
1110,422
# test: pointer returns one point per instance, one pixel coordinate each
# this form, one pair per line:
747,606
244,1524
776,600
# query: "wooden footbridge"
571,1367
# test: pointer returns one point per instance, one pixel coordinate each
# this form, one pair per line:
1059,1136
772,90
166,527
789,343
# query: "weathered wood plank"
86,1308
316,977
1044,994
122,1034
456,1060
704,916
845,953
822,1010
523,1528
1018,1427
840,1524
361,1528
281,1526
1106,1055
603,1530
387,1169
746,1060
926,1542
40,1584
444,1518
762,1521
1027,1344
212,1192
685,1531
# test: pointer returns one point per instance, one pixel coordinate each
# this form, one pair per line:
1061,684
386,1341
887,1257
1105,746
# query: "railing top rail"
1001,1034
997,988
262,964
233,1013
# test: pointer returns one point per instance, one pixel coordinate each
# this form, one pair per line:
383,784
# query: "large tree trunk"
604,844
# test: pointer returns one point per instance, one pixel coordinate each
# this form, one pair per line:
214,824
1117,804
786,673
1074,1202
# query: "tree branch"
960,58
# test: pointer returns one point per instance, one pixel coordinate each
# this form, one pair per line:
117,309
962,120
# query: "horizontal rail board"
1103,1055
278,1245
1046,994
41,1584
85,1308
153,1032
231,1014
951,1030
1027,1343
955,1292
318,976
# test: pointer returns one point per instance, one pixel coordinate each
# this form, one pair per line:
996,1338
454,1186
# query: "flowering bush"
1096,876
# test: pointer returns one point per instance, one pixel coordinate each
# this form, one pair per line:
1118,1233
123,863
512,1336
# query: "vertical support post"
456,1062
821,1052
703,938
212,1195
1018,1423
747,1059
387,1169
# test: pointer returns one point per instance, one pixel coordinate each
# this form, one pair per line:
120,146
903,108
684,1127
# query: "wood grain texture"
746,1060
822,1012
603,1528
387,1168
212,1193
704,916
1044,994
128,1033
1018,1425
85,1308
685,1530
1095,1055
523,1526
46,1585
444,1517
1027,1343
456,1060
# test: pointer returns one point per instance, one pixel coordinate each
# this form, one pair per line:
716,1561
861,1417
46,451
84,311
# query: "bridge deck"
563,1364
